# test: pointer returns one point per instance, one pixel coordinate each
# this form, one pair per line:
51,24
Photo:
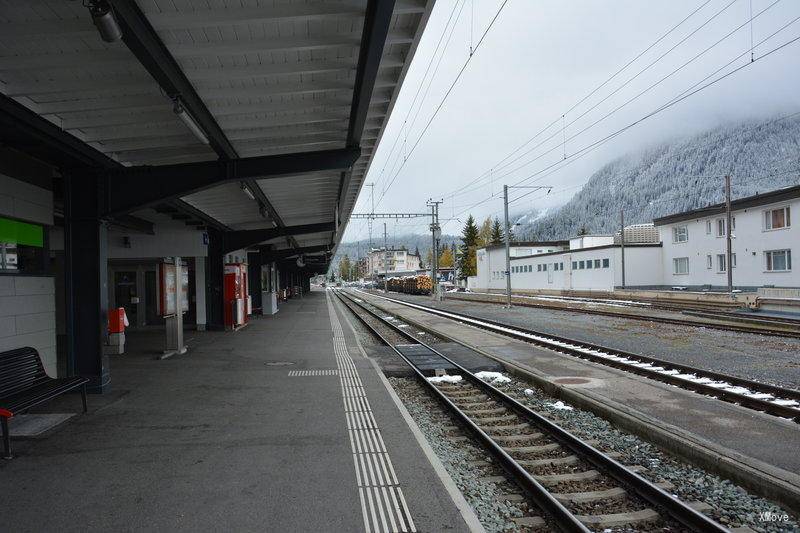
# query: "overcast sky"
539,59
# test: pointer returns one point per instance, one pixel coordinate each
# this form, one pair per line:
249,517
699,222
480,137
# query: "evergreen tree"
469,241
497,232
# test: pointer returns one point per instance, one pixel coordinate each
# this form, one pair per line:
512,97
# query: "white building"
681,250
569,265
397,260
763,239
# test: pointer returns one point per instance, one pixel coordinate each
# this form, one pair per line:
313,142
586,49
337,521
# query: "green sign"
15,232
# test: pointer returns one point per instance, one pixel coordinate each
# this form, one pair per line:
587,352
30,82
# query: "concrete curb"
757,476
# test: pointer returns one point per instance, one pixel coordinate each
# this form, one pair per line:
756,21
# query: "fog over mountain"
676,176
673,176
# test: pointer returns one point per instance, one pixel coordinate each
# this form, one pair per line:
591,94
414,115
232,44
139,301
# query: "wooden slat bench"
24,384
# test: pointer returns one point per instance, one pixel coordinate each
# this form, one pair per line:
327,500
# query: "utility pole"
622,242
728,228
508,247
385,262
369,221
508,232
436,232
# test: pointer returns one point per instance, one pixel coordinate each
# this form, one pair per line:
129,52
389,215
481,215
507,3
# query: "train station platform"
281,426
751,448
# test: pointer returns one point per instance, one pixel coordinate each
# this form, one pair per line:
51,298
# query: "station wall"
27,302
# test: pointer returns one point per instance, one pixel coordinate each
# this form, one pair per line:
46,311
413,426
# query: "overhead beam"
142,40
237,240
377,21
133,223
30,133
137,187
277,255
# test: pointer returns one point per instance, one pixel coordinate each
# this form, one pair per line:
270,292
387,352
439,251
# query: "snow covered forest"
677,176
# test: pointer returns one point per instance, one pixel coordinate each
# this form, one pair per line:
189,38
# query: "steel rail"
563,518
657,319
582,348
644,488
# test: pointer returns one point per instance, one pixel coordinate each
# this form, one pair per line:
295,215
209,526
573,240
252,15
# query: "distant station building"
684,250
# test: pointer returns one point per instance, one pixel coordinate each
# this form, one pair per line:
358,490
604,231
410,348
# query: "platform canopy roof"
287,99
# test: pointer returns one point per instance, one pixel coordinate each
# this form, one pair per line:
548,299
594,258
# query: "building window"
777,218
574,265
709,261
720,262
778,260
708,227
720,227
589,263
581,265
680,234
597,263
561,266
680,265
544,267
606,263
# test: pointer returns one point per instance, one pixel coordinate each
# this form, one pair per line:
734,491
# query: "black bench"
24,384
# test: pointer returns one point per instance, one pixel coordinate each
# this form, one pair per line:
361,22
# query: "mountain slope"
678,176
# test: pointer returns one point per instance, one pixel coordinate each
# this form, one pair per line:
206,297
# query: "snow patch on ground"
445,379
493,377
528,392
560,406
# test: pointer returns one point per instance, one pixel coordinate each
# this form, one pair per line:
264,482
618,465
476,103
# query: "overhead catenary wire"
446,95
681,97
590,93
635,97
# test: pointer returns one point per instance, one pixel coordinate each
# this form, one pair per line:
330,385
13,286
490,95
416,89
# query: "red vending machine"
236,300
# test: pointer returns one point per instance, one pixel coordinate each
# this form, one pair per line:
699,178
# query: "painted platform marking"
299,373
383,505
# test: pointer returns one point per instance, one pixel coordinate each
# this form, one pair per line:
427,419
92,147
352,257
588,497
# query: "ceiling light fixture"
104,20
248,192
187,119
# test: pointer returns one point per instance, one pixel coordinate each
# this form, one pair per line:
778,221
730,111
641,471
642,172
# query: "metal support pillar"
254,279
215,278
728,234
86,280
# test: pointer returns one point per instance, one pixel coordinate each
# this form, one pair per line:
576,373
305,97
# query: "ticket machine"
236,298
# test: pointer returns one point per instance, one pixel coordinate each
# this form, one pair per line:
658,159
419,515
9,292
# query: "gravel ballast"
732,505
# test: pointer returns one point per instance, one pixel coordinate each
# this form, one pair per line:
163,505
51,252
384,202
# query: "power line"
444,99
697,56
592,92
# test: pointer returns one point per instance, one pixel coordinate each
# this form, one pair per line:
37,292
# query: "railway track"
791,327
573,484
770,399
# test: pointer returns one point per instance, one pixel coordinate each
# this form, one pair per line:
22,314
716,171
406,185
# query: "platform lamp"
103,18
180,110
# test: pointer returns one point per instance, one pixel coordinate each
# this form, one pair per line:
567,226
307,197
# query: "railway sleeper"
513,427
590,496
620,519
500,439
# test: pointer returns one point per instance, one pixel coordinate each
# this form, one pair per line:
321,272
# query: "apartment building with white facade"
686,250
763,241
393,260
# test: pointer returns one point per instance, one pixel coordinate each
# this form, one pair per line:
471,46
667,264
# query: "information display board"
170,288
